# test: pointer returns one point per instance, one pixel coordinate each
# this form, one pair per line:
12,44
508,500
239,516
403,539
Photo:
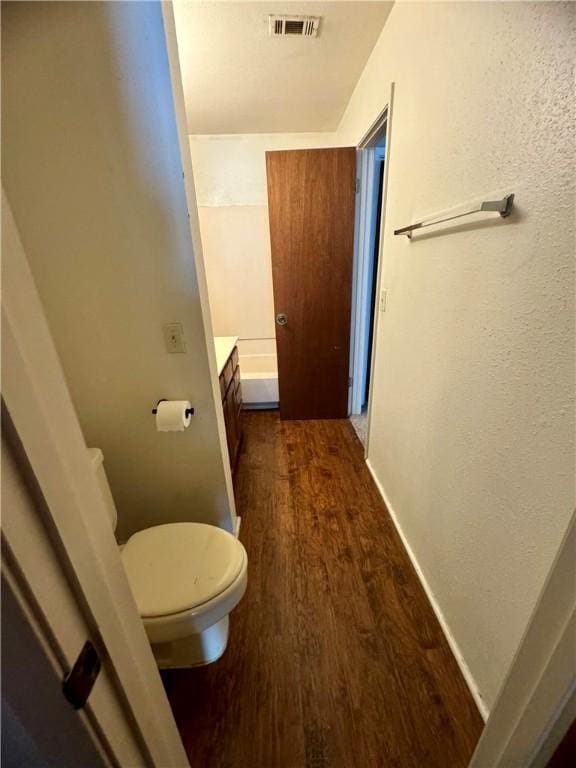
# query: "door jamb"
359,307
536,701
36,396
363,242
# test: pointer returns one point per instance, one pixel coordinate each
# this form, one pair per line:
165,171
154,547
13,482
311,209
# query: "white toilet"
186,578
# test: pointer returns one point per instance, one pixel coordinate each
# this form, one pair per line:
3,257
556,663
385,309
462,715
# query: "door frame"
43,630
537,701
42,417
362,271
359,331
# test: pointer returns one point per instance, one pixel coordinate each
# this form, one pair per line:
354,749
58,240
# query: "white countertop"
224,346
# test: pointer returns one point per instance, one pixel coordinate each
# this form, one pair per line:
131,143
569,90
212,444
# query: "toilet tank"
97,460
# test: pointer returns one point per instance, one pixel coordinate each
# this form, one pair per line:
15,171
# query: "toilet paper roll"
171,415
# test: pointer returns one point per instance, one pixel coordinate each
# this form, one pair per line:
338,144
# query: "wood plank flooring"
335,659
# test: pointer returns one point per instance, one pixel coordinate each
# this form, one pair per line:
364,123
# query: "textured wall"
231,169
472,433
92,169
236,244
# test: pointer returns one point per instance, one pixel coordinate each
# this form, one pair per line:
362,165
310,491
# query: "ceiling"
237,79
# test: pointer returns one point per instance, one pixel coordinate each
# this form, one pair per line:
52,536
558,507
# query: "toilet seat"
178,626
181,570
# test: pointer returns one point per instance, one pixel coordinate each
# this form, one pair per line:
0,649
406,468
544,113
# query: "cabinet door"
238,404
232,406
229,406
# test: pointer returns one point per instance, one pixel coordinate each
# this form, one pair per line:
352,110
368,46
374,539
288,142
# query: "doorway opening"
371,166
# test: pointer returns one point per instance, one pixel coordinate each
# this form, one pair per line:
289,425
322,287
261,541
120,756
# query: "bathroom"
368,583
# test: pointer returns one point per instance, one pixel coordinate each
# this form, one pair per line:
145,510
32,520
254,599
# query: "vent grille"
299,26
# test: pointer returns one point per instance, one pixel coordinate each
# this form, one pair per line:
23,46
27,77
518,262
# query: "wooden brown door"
311,197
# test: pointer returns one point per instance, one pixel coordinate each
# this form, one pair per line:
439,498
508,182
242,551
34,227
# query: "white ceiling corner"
237,79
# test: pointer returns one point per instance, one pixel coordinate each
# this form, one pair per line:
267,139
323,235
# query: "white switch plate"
382,301
174,338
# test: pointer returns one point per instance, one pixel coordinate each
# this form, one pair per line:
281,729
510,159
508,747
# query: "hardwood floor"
335,659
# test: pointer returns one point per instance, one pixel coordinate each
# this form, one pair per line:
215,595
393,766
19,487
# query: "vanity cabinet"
231,392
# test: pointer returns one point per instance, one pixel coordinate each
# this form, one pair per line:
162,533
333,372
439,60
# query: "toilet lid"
176,567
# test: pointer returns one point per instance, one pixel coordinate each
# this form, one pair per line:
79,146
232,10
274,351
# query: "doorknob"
281,318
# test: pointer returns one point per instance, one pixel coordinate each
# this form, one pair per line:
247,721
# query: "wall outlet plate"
174,338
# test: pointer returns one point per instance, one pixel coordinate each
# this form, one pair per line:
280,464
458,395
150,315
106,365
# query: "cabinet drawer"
230,421
236,378
239,422
231,393
226,377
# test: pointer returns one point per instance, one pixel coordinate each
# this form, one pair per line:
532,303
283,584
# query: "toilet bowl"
185,578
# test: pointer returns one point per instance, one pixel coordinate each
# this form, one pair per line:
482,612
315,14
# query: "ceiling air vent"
301,26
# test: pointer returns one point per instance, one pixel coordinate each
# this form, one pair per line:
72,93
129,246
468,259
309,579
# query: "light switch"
382,301
174,338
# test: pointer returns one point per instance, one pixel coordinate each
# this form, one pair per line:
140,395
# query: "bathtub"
259,377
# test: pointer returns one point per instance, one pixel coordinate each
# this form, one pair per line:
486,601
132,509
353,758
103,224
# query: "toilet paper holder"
187,412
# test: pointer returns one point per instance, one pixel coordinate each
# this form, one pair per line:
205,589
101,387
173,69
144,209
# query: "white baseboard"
471,683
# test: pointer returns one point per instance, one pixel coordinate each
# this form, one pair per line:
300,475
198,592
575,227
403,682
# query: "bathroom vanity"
230,391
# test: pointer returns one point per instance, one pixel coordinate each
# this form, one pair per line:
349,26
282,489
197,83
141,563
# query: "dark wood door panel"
311,198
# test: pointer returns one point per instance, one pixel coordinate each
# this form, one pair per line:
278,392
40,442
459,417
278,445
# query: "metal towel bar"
503,207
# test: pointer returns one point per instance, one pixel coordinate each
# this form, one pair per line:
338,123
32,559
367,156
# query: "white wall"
472,429
93,172
230,179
